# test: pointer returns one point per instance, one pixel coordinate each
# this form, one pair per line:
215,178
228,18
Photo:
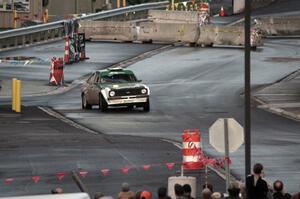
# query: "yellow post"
124,3
13,94
15,18
46,16
118,3
18,96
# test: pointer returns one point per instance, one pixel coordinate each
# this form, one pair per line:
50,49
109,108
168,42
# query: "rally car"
114,87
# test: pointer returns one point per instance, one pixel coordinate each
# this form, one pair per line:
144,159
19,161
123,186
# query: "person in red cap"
145,195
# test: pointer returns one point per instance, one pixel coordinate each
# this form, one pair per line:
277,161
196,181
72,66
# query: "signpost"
226,135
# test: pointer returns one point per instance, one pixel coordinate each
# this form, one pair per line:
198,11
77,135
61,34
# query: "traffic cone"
222,13
66,58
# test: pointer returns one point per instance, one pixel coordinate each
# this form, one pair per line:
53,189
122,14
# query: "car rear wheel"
84,103
146,106
102,103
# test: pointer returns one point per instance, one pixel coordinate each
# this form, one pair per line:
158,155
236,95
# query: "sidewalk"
32,88
28,88
282,98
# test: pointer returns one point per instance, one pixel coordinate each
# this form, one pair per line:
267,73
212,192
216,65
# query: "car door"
87,89
95,89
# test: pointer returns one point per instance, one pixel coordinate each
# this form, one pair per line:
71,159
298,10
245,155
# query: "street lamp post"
247,89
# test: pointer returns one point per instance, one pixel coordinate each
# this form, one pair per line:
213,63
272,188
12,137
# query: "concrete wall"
108,30
221,35
162,16
279,26
35,13
167,32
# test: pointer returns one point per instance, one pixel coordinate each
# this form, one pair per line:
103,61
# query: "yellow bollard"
124,3
18,96
15,17
13,94
46,16
118,3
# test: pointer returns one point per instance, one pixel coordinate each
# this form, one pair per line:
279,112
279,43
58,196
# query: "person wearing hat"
146,195
125,192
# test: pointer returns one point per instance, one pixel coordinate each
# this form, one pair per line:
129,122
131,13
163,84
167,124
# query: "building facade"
67,7
25,10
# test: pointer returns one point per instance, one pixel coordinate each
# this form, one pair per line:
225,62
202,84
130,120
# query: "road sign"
226,135
217,135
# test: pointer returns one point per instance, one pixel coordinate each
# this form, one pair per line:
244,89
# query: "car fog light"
112,93
144,91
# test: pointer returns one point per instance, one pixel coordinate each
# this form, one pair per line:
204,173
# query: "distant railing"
44,32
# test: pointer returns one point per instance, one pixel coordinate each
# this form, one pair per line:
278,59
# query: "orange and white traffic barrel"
67,58
192,149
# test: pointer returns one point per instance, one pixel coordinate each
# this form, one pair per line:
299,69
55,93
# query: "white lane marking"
49,111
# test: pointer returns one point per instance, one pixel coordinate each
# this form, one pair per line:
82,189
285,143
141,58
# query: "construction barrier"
278,26
16,95
148,31
56,72
226,35
162,16
166,32
108,30
192,150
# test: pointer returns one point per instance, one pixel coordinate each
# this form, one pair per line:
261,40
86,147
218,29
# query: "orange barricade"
56,71
192,149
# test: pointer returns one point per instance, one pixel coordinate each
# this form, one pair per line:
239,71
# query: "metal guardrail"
95,16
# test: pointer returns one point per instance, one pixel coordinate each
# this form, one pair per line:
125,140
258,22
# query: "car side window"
97,78
90,79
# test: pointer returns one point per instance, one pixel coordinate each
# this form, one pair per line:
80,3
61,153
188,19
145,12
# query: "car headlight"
112,93
144,91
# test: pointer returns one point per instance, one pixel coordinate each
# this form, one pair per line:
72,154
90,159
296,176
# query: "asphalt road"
191,88
36,144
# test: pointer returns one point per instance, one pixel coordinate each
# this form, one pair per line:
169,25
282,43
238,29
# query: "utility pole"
247,88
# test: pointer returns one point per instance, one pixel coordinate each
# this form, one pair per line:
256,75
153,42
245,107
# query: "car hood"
117,86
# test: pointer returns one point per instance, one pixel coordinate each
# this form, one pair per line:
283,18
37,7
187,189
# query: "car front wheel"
146,106
102,103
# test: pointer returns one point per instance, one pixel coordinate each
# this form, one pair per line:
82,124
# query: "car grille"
127,92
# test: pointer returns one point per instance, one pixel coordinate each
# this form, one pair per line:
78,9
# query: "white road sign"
217,135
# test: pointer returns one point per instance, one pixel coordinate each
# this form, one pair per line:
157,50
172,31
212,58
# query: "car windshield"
118,77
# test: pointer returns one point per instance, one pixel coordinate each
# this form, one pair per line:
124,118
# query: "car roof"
114,71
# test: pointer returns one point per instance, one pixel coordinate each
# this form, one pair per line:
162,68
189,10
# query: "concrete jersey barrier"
279,26
108,30
167,32
226,35
162,16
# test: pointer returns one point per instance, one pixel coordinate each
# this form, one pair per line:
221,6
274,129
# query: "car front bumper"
127,100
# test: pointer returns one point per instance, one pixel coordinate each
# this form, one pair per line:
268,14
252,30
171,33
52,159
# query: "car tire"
146,106
84,103
102,103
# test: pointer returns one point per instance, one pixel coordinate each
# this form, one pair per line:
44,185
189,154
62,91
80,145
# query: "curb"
278,111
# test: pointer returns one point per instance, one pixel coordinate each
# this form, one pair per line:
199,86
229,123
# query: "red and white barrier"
67,58
192,150
56,71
